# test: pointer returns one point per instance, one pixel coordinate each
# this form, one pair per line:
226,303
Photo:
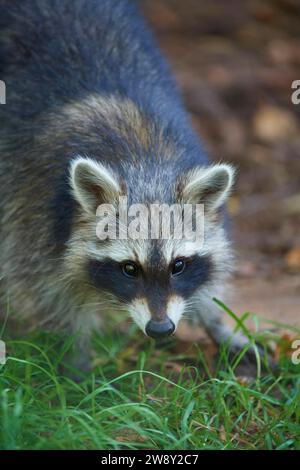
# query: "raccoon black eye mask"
128,280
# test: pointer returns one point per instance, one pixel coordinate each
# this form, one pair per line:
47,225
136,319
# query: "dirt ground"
235,62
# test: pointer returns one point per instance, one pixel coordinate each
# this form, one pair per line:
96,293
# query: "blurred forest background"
235,62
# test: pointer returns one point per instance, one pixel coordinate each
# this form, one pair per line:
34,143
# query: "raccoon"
93,113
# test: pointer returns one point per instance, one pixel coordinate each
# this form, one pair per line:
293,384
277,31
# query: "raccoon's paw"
252,356
76,367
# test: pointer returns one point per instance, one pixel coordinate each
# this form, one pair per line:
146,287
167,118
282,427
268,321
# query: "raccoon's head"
156,281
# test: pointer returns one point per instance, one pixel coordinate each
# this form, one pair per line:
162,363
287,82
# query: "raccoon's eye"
178,267
130,269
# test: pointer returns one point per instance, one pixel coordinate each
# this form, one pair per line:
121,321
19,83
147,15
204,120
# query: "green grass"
142,397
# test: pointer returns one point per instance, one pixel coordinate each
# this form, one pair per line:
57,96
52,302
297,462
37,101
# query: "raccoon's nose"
160,329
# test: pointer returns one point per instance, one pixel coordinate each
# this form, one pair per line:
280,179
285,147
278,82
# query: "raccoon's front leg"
211,319
79,357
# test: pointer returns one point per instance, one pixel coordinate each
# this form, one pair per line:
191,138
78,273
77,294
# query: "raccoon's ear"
93,184
209,186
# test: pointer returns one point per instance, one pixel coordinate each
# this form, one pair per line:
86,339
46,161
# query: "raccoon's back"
52,52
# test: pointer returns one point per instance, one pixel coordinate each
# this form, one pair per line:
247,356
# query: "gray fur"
85,79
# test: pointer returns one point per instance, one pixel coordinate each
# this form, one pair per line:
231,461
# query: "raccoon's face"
156,281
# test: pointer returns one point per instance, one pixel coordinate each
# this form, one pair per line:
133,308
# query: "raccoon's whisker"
59,258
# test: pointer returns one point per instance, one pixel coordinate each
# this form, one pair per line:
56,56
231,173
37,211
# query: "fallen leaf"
243,380
284,346
128,435
174,366
156,399
273,124
292,259
222,433
233,205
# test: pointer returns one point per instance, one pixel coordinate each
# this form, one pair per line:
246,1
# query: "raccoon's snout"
160,329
